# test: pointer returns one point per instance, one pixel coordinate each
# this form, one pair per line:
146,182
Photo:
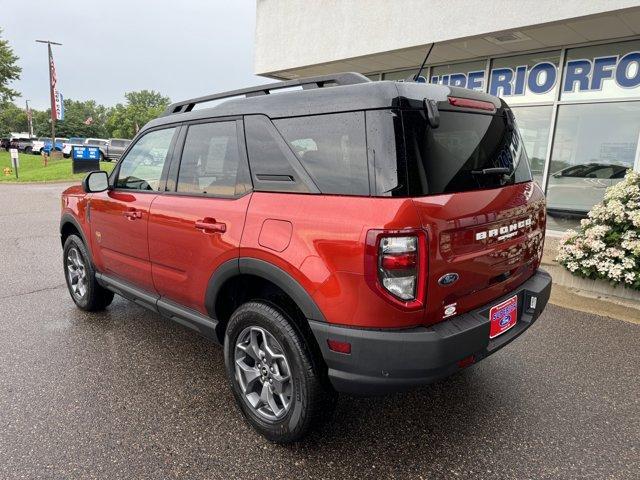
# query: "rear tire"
274,379
81,280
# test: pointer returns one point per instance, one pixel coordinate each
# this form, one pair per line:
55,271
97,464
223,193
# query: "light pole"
29,119
52,86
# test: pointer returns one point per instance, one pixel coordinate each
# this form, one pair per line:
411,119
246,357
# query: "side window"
273,166
386,156
332,148
211,160
142,168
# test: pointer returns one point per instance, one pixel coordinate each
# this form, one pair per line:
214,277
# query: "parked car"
359,237
38,143
44,143
22,144
66,146
115,147
577,188
101,143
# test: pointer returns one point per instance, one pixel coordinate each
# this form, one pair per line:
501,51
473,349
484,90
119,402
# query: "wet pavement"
126,394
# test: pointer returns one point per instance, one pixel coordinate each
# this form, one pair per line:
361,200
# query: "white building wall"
296,33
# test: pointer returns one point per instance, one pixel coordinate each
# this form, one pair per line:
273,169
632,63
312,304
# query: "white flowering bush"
607,244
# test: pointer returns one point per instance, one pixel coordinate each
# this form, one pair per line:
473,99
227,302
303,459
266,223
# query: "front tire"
81,280
274,379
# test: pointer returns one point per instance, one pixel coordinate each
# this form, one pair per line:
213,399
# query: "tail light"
395,266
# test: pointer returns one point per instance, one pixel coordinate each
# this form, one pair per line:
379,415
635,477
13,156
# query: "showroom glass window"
526,79
469,75
534,124
400,75
594,143
610,71
527,83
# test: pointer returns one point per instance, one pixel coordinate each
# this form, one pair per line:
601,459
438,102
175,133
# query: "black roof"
358,93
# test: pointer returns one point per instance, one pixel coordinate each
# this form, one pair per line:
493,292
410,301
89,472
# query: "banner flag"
53,80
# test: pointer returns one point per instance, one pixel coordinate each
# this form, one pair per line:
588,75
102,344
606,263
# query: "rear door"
197,224
119,217
485,218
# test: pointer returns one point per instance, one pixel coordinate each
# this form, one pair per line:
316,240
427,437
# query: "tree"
12,119
83,119
9,71
125,120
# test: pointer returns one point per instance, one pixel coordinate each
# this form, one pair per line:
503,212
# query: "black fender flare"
67,218
268,271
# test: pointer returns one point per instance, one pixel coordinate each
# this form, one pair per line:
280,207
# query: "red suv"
347,236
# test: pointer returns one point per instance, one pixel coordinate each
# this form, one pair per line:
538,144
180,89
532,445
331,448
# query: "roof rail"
348,78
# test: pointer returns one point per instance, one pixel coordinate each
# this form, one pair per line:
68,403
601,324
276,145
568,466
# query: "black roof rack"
348,78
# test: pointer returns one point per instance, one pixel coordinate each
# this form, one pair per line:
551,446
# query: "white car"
92,142
38,144
44,144
574,190
66,146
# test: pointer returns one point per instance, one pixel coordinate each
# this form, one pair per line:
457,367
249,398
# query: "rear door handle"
209,225
132,214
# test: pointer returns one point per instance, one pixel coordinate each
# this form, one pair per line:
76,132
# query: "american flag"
54,78
54,81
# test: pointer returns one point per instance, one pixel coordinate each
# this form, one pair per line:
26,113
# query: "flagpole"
52,94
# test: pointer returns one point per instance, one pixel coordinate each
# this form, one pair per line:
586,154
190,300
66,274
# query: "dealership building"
570,70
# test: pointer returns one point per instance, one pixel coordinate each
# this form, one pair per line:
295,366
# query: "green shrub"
607,244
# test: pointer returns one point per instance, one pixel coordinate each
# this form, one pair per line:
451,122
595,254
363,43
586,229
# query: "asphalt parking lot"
126,394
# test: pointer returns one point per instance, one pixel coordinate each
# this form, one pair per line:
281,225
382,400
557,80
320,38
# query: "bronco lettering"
504,230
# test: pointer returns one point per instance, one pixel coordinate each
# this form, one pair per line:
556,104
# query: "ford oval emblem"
448,279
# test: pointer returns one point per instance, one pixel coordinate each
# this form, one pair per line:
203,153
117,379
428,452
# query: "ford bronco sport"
348,236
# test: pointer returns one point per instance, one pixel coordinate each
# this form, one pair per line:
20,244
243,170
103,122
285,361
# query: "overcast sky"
181,48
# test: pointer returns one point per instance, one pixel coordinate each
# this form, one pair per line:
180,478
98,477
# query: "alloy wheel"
263,373
77,273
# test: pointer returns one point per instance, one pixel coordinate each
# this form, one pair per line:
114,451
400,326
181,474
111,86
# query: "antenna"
424,62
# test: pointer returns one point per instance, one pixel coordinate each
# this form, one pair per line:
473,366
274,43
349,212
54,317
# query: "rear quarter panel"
325,252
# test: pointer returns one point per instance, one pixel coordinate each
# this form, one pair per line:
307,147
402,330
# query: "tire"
27,150
308,397
80,276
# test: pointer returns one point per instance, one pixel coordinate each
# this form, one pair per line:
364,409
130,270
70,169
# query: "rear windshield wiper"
492,171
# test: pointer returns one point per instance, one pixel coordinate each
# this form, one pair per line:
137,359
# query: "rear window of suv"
451,158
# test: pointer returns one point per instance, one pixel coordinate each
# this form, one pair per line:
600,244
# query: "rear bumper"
383,361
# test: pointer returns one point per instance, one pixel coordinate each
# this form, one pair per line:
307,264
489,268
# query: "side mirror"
96,182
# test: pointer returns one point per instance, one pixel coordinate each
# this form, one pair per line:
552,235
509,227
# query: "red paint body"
320,241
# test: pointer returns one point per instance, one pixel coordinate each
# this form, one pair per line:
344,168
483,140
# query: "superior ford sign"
614,74
86,153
